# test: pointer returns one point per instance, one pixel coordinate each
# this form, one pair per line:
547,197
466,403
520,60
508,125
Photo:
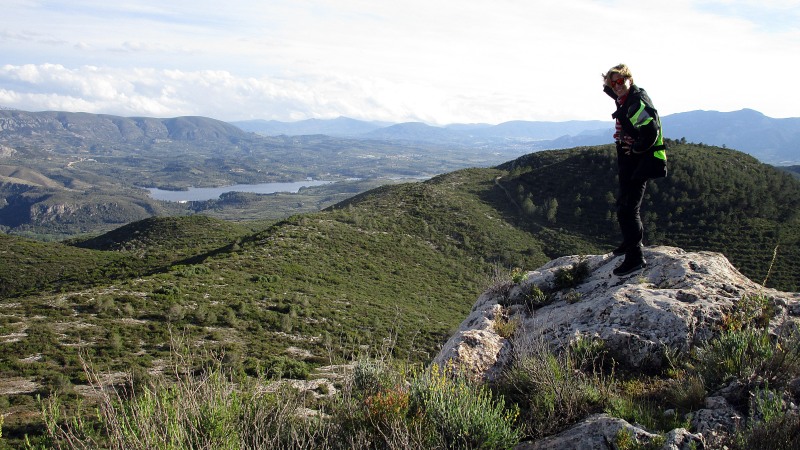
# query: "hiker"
640,156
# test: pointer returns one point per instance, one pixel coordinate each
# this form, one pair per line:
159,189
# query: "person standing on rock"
641,156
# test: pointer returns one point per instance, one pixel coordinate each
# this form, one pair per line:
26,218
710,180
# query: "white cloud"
444,61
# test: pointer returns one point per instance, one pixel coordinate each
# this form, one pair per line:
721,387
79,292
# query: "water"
201,194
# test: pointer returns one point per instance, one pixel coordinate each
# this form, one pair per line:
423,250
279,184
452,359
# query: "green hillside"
394,269
129,251
168,238
31,266
713,199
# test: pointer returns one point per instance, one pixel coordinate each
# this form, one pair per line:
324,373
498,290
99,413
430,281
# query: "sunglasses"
618,82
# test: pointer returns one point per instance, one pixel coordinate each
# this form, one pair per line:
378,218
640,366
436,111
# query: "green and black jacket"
639,120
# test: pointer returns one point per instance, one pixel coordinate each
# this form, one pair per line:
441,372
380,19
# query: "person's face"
619,84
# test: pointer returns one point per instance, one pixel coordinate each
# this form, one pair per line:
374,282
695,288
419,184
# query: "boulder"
598,431
678,301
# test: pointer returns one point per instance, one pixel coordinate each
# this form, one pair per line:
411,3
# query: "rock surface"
679,301
600,431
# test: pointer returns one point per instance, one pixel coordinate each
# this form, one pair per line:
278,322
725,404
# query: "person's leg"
629,205
630,222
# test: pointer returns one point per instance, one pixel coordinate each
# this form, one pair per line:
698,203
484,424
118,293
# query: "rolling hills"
63,174
393,269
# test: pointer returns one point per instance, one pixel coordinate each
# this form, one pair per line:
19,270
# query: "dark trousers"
629,203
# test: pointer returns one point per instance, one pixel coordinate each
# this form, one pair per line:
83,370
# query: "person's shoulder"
640,94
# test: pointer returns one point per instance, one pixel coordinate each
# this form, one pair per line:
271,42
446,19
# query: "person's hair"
620,69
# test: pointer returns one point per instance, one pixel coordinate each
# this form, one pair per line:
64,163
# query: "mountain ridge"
104,128
774,141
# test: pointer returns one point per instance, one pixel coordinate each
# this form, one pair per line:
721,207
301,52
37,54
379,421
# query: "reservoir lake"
201,194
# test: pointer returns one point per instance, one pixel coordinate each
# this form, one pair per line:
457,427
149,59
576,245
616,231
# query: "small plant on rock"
567,278
518,275
537,298
505,326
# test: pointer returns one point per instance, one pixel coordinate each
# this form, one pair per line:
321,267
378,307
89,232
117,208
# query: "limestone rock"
596,432
682,439
677,302
601,432
717,420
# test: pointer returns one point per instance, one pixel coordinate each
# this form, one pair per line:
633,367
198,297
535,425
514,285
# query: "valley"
288,283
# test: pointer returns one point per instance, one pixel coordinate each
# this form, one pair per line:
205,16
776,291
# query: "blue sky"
439,62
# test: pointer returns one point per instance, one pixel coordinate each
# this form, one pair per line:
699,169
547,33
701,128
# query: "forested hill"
713,199
794,170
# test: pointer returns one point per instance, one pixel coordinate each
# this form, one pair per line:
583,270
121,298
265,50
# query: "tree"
528,207
552,210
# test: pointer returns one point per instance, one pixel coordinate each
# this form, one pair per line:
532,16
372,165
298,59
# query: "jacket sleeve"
647,137
645,122
607,89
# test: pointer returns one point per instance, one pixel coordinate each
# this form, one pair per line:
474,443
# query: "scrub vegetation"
388,272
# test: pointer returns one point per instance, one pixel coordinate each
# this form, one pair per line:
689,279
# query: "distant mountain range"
774,141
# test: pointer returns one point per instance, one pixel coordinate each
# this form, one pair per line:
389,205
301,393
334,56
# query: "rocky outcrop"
678,302
603,432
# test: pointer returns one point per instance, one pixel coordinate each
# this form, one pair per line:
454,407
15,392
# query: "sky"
432,61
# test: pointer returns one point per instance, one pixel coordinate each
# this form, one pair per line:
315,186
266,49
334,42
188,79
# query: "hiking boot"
621,250
629,266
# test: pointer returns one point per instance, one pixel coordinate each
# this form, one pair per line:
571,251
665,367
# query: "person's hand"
627,148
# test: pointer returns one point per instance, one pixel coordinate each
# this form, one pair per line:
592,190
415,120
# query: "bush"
191,271
279,367
551,389
506,327
780,433
734,354
572,277
213,409
463,414
537,298
371,376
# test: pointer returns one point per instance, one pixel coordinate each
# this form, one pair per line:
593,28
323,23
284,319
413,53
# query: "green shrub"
371,376
687,392
191,271
537,298
752,311
168,291
588,353
643,412
463,414
567,278
518,275
279,367
58,384
212,409
625,440
734,354
781,432
551,389
506,327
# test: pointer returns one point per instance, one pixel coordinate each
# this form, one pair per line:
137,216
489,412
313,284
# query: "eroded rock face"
678,301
